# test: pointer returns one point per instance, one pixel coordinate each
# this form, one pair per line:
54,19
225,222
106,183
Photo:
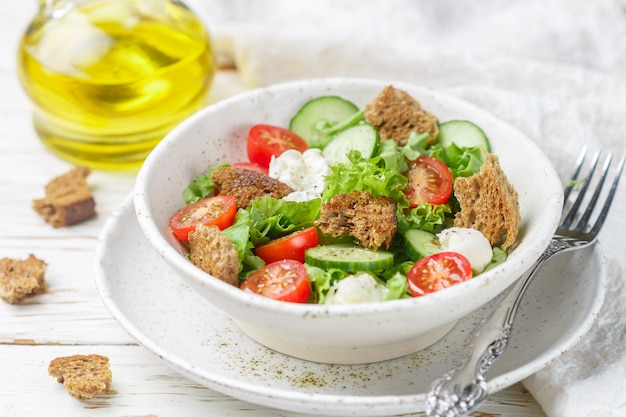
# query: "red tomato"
265,141
430,180
438,271
251,166
219,211
289,247
284,280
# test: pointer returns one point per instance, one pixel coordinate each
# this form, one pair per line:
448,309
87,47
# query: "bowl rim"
190,271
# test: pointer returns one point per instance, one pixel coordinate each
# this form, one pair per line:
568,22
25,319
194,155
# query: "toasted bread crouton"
68,199
21,278
395,114
246,185
82,376
214,253
370,220
489,203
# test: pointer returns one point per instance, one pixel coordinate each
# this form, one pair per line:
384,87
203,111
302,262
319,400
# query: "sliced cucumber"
463,133
315,120
348,257
419,244
362,137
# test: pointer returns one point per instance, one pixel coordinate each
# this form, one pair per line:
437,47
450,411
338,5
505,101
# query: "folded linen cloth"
556,69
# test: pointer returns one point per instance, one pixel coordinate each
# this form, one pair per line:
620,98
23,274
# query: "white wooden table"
70,317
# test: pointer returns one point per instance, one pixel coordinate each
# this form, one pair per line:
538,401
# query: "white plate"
165,316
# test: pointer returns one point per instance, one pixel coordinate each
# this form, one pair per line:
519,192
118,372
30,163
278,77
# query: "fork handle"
464,388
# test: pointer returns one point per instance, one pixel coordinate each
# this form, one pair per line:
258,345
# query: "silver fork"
464,388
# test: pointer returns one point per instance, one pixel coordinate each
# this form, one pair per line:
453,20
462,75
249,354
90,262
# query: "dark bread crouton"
370,220
82,376
68,199
21,278
395,114
489,203
214,253
247,185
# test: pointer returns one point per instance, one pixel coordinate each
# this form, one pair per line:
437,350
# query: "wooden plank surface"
144,386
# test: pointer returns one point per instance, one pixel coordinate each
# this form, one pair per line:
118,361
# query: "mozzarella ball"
470,243
304,172
361,288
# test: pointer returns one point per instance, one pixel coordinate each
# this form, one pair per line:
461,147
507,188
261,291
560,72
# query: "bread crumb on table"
68,199
20,278
82,376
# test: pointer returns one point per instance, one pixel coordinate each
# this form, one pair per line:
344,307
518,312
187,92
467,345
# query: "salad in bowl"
351,205
347,220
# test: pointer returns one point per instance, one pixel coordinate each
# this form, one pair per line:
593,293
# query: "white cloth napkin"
554,68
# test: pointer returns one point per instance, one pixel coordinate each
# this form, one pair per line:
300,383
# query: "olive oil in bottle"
108,80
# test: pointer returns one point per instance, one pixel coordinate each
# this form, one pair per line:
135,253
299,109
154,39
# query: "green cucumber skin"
362,137
325,109
463,133
349,258
419,244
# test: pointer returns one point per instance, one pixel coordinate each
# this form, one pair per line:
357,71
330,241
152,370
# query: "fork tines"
580,221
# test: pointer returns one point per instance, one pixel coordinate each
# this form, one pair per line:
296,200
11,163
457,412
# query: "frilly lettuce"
430,217
201,186
323,279
393,156
380,176
499,256
265,219
398,287
271,218
239,234
371,175
463,162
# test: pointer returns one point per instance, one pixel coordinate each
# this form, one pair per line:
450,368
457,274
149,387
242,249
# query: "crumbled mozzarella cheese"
304,172
470,243
361,288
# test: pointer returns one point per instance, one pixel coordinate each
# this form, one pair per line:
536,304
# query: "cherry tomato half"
251,166
291,246
219,211
284,280
430,180
438,271
265,141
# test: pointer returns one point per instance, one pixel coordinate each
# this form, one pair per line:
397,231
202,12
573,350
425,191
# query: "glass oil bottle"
110,78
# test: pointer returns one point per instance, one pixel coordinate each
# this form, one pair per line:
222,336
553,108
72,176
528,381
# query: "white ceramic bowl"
342,334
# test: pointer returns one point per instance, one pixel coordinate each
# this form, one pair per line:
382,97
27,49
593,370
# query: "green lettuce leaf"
398,287
273,218
463,162
239,234
416,146
430,217
392,156
499,256
360,174
200,187
321,280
